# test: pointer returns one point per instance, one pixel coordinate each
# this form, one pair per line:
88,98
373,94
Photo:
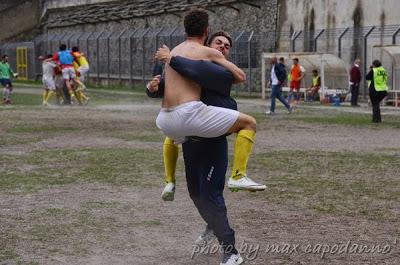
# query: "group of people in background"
377,85
279,77
64,75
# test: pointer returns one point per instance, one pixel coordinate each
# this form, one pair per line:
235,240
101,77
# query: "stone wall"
230,15
51,4
300,15
310,16
19,17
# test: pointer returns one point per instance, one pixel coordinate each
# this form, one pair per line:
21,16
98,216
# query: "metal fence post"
130,57
170,36
60,39
69,41
119,55
365,57
143,55
87,51
236,44
98,57
340,42
108,57
294,38
158,33
78,43
395,35
316,39
50,46
249,60
236,56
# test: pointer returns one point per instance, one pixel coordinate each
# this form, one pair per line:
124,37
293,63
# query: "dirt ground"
81,185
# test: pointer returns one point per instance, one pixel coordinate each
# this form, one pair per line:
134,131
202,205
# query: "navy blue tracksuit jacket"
206,159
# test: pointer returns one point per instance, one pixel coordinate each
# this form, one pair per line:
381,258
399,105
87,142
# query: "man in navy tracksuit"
206,159
278,77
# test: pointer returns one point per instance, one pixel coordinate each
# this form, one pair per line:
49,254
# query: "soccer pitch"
82,185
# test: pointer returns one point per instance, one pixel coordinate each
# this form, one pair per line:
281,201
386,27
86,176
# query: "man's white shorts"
68,73
49,83
195,119
83,70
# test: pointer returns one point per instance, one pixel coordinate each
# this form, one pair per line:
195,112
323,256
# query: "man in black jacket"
278,78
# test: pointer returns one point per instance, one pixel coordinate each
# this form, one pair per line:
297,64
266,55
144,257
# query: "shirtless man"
183,114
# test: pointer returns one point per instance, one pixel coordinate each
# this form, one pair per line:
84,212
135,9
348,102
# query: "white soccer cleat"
205,238
269,112
244,183
232,259
168,194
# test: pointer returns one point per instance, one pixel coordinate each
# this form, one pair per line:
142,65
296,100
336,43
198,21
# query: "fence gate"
22,63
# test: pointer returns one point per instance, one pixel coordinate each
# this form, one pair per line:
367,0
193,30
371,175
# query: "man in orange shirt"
297,73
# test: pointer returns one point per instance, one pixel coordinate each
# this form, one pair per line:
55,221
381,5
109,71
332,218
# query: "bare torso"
178,89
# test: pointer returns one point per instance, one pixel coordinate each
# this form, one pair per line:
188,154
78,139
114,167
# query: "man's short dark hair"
75,49
315,71
63,47
196,23
220,33
48,56
376,63
4,56
281,59
296,59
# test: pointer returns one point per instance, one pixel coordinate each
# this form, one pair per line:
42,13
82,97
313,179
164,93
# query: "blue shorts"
6,82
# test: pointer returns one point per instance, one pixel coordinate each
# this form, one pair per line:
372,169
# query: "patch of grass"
99,205
28,82
330,182
7,255
55,212
150,223
26,99
13,140
112,166
99,97
34,129
50,232
153,136
115,87
350,119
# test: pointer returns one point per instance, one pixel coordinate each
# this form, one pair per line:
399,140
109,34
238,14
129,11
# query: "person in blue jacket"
206,159
278,77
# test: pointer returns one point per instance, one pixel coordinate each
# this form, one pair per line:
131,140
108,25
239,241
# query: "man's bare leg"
70,90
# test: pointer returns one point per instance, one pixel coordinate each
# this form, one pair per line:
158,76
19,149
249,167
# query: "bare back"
178,89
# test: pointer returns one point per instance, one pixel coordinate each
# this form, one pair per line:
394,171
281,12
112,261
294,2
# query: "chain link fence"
126,57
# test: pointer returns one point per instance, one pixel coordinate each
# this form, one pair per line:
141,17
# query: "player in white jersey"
49,86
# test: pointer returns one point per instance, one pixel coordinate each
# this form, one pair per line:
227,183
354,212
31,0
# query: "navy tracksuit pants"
206,161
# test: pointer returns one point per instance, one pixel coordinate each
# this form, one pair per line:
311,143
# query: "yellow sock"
243,147
78,96
60,95
170,153
49,94
81,95
45,93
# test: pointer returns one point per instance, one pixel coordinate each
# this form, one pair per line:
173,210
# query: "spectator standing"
377,88
297,73
278,78
355,79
